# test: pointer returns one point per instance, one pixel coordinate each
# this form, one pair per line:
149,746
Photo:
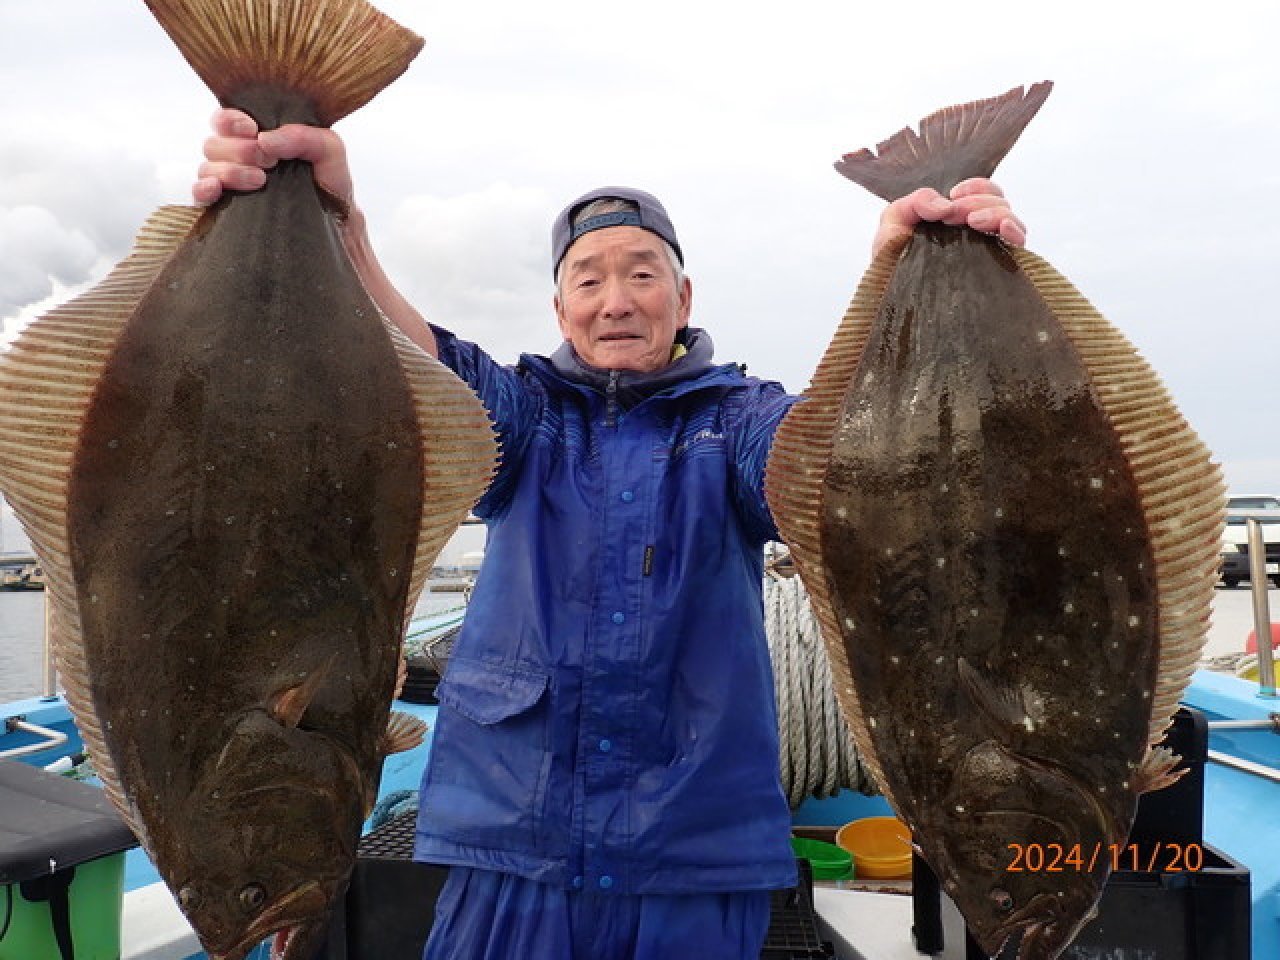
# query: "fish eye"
1002,899
253,897
189,898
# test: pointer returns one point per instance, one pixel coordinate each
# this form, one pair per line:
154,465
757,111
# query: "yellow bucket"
881,847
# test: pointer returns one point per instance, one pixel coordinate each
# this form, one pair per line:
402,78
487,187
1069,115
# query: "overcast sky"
1150,177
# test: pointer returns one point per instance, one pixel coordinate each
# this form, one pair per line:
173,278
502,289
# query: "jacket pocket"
486,781
489,693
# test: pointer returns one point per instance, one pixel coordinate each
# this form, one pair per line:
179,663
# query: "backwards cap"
648,215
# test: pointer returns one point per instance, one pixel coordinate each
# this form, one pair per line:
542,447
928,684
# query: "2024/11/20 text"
1056,858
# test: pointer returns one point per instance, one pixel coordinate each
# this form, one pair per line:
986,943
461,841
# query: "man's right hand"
237,157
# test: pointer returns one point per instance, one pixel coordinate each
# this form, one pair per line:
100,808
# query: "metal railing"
1261,610
52,738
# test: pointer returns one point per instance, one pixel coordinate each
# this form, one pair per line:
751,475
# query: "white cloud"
1145,179
477,263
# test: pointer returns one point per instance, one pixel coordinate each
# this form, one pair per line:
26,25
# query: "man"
604,777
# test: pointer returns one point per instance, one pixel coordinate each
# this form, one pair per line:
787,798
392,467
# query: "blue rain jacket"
607,718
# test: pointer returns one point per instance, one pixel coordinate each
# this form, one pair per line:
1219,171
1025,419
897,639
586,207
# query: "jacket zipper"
611,400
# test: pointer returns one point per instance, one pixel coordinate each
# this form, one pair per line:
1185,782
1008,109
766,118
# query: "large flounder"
1010,536
237,474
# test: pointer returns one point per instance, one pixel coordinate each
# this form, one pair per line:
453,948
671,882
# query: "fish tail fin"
338,54
1159,769
404,732
954,144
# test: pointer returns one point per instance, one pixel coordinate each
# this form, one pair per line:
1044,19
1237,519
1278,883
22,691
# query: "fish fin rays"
1159,769
47,380
1004,708
797,470
404,732
459,453
1182,490
287,705
954,144
337,53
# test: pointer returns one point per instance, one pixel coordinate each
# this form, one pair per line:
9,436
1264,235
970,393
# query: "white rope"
816,753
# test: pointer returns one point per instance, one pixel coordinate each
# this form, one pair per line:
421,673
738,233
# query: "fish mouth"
292,918
1035,924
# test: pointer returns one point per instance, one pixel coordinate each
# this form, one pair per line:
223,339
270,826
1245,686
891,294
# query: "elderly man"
604,776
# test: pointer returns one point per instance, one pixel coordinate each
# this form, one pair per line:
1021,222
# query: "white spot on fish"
871,721
1125,784
942,561
1095,483
842,512
888,551
1101,788
1068,607
1043,336
999,512
391,444
973,611
911,732
1134,621
1146,694
209,467
394,572
1075,713
230,520
944,488
940,660
1062,551
93,598
959,809
848,623
1066,663
113,444
1029,724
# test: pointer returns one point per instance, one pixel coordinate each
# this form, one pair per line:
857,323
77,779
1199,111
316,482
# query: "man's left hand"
976,203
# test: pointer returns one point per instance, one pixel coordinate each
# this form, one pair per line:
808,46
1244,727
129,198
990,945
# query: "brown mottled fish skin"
1010,538
239,491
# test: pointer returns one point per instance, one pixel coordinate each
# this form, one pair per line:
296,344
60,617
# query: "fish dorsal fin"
47,379
1182,489
337,53
1002,706
954,144
404,732
796,475
459,452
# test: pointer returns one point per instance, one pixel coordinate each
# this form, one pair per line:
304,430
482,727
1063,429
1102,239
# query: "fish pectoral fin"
1002,706
404,732
1157,770
287,706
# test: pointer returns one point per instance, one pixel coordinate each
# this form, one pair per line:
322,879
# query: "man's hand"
977,203
237,157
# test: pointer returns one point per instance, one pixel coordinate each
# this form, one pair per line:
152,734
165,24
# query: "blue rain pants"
484,915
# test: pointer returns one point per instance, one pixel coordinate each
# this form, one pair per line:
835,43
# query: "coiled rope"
817,754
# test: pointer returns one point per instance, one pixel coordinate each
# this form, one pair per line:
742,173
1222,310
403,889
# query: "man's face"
619,303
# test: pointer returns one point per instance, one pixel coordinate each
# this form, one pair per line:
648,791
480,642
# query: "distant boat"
21,573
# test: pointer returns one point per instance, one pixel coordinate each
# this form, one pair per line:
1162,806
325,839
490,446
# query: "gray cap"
649,215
